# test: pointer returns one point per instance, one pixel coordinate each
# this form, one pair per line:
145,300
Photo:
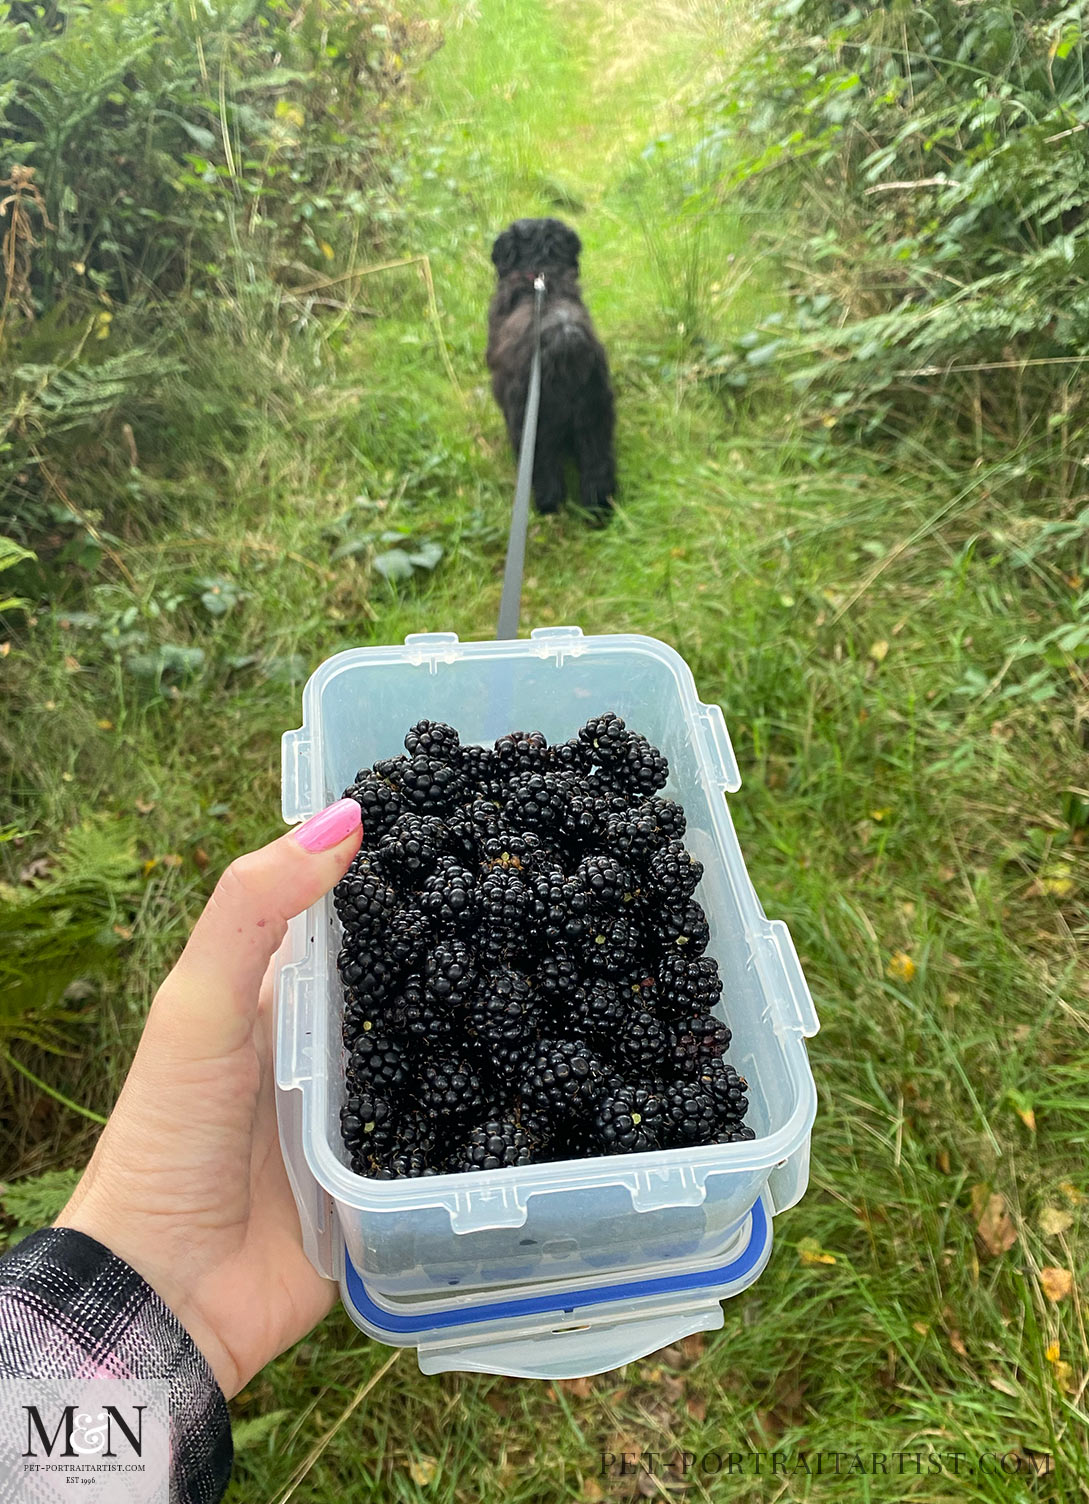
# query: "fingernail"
329,826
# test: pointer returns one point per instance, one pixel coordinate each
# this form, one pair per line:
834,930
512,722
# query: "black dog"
576,414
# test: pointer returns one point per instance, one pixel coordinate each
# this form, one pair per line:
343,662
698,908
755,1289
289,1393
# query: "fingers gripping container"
562,1269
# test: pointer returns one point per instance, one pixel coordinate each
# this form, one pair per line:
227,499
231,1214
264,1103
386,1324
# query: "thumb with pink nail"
186,1183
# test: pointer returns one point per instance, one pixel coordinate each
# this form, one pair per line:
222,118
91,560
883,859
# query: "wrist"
134,1249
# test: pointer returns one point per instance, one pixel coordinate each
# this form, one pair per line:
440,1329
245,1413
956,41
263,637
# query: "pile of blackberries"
523,960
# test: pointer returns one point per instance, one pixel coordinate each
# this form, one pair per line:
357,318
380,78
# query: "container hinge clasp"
432,648
558,642
294,1012
780,943
297,797
723,758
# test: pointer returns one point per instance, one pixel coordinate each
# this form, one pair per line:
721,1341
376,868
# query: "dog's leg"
594,450
549,486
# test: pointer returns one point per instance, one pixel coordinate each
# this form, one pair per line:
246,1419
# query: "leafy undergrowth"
886,641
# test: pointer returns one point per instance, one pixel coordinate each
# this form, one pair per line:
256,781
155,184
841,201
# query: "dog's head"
533,245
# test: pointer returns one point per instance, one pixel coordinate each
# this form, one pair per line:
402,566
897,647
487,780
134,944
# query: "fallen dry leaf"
648,1487
1054,1221
956,1342
921,1327
943,1161
696,1406
582,1389
1004,1386
994,1225
1057,1283
591,1491
673,1387
694,1345
879,651
422,1471
811,1252
1071,1192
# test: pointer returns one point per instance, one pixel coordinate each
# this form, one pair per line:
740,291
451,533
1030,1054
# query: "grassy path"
901,809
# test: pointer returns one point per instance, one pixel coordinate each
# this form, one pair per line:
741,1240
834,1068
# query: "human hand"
186,1183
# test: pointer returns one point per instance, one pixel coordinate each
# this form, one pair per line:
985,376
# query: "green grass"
913,782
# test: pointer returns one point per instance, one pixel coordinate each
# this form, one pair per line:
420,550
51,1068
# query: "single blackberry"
377,1061
405,937
367,1122
505,908
683,929
497,1144
499,845
690,1114
521,752
599,1010
480,766
502,1012
556,978
642,768
584,819
361,1017
697,1040
411,1153
536,801
412,846
632,834
548,901
642,1044
727,1089
448,977
433,739
674,872
363,899
735,1133
365,975
412,1013
604,737
574,756
379,805
390,769
668,817
403,1162
629,1121
448,895
561,1078
687,985
605,880
431,785
451,1091
613,944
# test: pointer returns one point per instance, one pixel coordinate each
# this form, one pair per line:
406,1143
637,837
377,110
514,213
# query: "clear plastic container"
575,1224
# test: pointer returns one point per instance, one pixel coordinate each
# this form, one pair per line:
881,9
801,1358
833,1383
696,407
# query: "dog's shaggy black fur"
576,415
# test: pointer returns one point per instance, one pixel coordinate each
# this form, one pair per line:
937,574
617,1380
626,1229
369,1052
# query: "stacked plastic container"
553,1270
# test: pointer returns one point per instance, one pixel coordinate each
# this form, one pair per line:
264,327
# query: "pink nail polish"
329,826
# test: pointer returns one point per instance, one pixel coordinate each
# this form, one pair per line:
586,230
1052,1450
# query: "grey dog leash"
510,602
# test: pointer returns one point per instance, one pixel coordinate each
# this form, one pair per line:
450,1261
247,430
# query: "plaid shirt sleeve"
67,1303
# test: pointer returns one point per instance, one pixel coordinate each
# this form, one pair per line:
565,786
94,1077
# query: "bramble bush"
937,157
161,160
